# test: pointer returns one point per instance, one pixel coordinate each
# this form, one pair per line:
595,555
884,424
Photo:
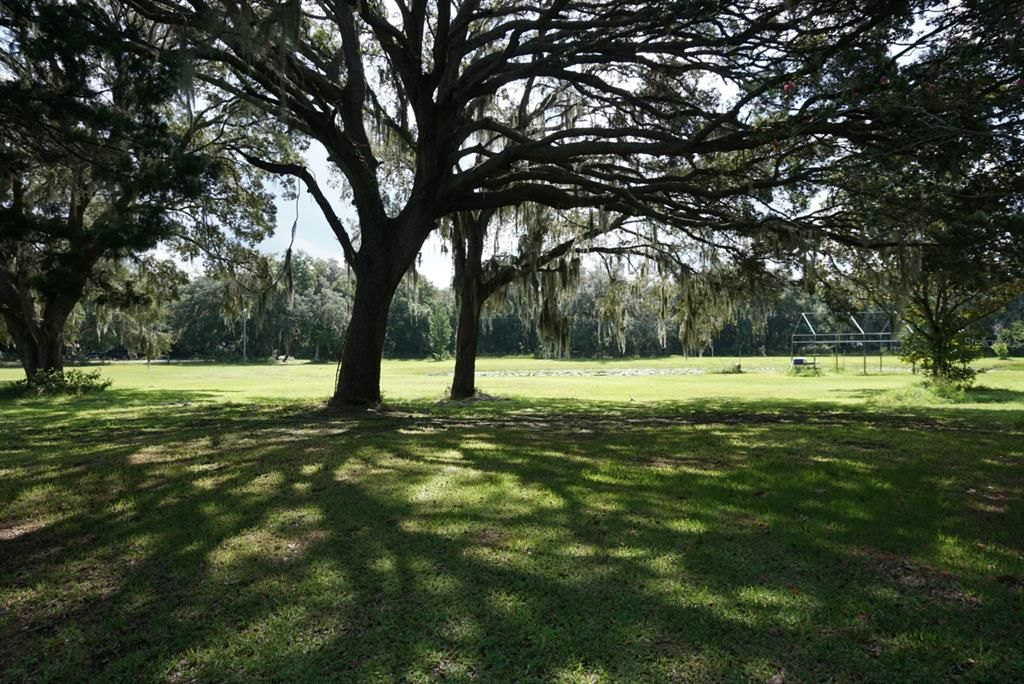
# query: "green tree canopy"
99,162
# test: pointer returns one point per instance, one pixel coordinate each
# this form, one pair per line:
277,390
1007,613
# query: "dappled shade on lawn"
164,537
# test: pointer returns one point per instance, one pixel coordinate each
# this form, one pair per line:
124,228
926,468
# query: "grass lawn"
641,520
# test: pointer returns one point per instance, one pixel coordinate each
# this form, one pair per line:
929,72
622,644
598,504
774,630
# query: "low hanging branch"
302,173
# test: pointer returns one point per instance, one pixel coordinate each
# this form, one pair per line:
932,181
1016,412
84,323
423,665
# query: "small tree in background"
440,331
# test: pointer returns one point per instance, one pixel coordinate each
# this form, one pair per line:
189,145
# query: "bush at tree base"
54,382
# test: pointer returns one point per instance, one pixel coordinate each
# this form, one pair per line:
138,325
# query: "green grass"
215,523
656,380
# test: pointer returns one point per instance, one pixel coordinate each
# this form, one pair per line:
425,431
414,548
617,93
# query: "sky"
315,237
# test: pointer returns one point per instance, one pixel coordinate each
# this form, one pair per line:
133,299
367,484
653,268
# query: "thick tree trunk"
40,345
466,336
359,373
468,251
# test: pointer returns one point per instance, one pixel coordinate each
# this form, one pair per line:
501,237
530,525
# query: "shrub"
1001,349
54,382
734,369
921,394
946,391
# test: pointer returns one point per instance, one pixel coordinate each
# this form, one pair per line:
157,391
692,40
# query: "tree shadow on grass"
46,408
979,394
994,395
228,542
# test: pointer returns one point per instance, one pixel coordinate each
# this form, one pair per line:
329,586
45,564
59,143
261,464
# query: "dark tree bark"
40,348
382,262
39,341
48,351
359,374
466,337
468,248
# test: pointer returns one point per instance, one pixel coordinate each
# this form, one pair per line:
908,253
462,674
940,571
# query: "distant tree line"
203,317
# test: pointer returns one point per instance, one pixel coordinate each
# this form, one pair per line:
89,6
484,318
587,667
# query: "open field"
651,380
611,521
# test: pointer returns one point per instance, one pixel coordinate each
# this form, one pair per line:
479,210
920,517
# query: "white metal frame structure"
863,329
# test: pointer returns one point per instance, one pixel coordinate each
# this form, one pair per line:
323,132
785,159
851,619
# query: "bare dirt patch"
910,577
12,531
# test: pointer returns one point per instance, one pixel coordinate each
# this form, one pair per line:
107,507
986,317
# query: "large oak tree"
399,94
